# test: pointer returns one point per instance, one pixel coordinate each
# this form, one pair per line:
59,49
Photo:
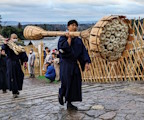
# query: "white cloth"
47,59
57,68
31,60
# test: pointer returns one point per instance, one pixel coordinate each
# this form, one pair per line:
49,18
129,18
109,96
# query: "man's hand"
69,38
67,34
25,65
6,41
87,66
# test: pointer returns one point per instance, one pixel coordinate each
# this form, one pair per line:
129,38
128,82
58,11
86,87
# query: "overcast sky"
64,10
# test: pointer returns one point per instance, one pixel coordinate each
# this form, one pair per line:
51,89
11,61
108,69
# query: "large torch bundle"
109,37
16,48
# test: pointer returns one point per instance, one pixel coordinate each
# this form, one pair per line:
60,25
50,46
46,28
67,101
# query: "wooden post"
42,57
134,26
143,23
138,23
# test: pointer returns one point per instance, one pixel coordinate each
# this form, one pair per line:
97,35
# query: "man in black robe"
15,74
3,83
71,50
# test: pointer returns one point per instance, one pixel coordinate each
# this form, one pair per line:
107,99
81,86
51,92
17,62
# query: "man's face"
47,49
53,55
31,51
72,27
3,52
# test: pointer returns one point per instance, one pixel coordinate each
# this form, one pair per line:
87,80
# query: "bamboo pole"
118,69
107,70
115,74
104,71
119,62
36,33
133,65
130,69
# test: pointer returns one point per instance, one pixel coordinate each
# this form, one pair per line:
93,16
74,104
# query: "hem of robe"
11,89
78,100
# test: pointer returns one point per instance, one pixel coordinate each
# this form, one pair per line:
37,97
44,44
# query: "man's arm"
84,59
69,38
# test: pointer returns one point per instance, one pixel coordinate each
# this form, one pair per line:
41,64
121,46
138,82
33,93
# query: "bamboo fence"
129,67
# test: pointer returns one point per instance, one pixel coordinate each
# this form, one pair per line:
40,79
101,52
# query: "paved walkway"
38,101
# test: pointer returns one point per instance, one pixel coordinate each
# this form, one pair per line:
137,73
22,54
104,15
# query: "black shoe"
33,76
51,81
4,91
17,93
71,107
30,76
15,96
60,98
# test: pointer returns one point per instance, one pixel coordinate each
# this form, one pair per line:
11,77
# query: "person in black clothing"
45,52
15,74
3,83
71,50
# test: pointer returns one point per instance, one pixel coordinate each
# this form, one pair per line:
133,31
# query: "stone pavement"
38,101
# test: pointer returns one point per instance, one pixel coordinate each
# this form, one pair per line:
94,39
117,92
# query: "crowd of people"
51,64
11,74
59,64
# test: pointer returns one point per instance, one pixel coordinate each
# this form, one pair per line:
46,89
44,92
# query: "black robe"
15,74
70,75
3,82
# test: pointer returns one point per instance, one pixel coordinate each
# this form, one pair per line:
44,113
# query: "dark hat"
71,22
46,48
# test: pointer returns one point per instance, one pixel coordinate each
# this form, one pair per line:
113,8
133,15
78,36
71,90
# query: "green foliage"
8,30
47,80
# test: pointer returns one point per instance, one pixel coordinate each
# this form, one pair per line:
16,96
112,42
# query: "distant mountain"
15,23
7,23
